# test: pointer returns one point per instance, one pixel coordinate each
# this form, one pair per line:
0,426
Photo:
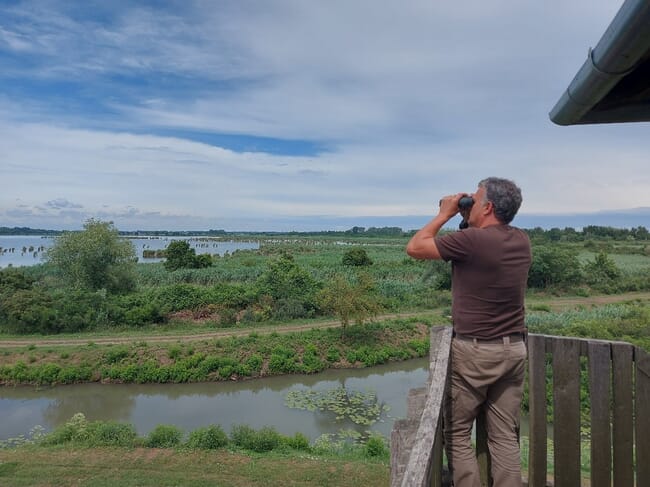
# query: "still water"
28,250
258,403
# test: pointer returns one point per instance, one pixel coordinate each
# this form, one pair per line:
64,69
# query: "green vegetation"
95,258
296,277
351,276
254,355
179,255
245,457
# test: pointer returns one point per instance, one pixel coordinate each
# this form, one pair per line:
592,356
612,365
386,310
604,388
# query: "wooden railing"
618,377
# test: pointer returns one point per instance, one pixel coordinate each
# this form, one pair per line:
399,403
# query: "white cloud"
414,100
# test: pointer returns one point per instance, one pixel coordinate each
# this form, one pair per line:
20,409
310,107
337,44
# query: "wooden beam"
599,392
537,464
642,414
418,471
566,412
623,420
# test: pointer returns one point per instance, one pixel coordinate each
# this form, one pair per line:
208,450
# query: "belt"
514,338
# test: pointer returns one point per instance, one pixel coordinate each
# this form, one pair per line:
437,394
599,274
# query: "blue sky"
294,115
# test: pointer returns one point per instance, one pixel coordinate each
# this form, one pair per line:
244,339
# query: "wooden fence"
618,378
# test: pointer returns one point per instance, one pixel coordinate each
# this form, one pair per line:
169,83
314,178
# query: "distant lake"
27,250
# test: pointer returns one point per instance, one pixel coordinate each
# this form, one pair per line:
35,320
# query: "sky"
298,114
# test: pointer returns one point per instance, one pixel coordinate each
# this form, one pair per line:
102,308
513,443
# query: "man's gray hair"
505,195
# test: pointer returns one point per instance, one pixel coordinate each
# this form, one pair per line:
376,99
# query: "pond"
28,250
258,402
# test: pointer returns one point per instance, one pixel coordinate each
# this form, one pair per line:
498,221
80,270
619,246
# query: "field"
298,304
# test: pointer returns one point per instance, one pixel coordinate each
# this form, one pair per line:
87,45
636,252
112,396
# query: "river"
257,402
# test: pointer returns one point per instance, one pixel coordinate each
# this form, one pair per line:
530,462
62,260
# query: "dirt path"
555,303
563,304
230,332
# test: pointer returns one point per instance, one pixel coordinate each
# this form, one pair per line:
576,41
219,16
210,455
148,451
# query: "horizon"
622,219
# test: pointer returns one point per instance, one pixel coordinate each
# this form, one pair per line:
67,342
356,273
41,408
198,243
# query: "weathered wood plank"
401,442
415,402
418,471
537,410
599,391
436,458
642,416
622,418
566,412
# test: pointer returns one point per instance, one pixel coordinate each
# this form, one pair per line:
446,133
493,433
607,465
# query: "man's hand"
423,245
449,205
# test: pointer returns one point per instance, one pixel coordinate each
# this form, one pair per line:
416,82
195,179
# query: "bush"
266,439
95,258
376,446
356,257
297,442
110,433
208,438
179,255
554,266
164,436
74,430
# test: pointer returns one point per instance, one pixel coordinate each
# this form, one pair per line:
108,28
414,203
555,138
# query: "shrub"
164,436
356,257
179,255
116,354
76,429
182,296
95,258
109,433
265,439
208,438
376,446
241,435
254,362
554,266
283,279
297,442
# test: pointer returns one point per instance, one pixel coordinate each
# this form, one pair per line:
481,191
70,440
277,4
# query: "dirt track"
230,332
556,304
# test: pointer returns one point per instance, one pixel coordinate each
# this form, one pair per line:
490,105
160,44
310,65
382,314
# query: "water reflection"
189,406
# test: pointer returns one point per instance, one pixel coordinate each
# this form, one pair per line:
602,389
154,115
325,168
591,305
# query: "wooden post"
537,411
623,415
642,416
599,392
418,471
566,411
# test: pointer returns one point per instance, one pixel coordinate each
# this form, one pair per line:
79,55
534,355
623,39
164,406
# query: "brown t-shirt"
489,273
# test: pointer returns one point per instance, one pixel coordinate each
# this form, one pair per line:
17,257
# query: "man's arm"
422,245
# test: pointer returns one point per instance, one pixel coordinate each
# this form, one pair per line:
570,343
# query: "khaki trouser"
488,376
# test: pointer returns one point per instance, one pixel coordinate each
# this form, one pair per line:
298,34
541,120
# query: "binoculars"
465,203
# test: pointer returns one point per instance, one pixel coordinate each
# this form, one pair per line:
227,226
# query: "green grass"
98,467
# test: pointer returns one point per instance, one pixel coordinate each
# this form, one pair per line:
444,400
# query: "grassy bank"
237,357
97,467
99,453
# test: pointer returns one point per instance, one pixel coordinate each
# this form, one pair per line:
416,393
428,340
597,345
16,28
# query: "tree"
179,255
95,258
602,271
554,266
356,257
350,301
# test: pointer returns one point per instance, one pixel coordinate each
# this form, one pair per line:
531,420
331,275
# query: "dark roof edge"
624,43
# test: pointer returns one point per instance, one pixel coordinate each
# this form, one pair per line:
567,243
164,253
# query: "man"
490,262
